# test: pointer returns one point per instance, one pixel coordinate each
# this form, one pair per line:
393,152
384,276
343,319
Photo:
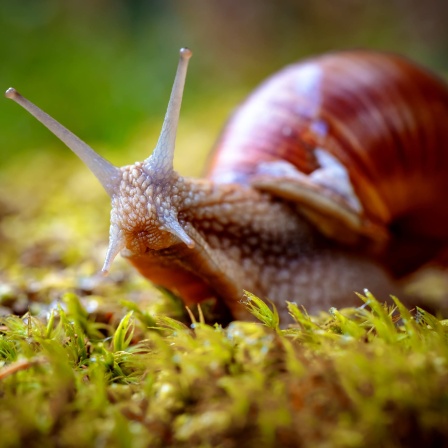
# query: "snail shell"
383,117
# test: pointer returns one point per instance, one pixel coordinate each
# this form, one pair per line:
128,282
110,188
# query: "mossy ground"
366,377
87,361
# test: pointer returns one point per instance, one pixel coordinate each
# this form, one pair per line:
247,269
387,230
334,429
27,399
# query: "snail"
331,177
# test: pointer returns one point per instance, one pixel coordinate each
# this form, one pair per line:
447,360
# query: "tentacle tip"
185,53
11,93
185,238
104,272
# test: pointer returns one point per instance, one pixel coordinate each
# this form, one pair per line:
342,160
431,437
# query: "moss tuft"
370,376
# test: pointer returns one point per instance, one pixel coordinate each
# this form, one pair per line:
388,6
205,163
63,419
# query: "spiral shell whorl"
383,117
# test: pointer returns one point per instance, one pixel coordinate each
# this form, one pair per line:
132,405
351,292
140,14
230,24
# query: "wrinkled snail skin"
330,178
272,251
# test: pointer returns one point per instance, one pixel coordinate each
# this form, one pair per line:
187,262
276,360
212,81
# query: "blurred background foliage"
104,68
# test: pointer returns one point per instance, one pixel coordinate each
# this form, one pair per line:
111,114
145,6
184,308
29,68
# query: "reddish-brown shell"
384,117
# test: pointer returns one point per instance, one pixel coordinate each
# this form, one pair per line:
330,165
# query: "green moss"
370,376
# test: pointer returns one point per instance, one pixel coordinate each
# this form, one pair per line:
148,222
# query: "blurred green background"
104,68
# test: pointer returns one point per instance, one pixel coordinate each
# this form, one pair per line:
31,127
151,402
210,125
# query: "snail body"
330,178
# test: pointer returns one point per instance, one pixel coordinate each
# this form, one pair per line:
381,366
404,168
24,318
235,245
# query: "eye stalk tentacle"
161,160
116,244
108,174
158,169
172,225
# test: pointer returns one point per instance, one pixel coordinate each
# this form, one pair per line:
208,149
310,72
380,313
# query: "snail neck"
248,240
242,216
